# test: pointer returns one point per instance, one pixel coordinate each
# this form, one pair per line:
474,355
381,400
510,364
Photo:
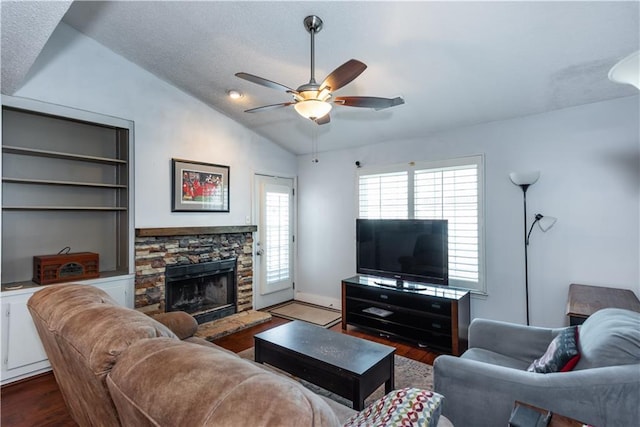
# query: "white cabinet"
20,347
22,350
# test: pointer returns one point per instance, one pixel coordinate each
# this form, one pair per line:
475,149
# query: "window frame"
410,168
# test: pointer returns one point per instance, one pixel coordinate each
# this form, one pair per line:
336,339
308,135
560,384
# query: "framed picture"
199,187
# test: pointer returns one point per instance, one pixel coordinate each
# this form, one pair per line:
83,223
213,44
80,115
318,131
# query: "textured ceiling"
455,63
26,27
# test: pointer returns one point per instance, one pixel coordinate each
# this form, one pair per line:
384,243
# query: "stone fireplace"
164,256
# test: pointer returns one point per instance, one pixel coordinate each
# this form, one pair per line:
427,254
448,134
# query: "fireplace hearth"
205,290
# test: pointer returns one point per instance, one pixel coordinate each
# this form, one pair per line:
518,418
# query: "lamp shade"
546,222
627,70
524,178
312,108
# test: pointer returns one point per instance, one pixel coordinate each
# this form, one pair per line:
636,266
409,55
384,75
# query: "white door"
273,282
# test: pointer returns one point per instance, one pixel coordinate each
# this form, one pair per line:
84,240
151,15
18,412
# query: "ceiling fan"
313,100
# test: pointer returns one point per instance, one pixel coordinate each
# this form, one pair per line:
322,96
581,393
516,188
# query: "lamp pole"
526,243
524,181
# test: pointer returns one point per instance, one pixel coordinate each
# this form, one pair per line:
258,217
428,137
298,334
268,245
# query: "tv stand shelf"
435,317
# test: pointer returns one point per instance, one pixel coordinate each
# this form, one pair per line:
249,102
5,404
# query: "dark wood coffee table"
348,366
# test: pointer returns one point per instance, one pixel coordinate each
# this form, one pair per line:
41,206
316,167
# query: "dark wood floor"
38,402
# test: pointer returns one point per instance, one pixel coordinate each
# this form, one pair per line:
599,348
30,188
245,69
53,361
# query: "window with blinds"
450,190
384,195
277,236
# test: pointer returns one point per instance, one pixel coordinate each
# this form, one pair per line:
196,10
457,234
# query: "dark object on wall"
199,187
48,269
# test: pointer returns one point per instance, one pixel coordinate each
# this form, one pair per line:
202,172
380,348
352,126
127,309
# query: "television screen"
404,249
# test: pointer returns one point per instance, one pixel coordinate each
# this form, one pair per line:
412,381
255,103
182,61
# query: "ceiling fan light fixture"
324,94
312,108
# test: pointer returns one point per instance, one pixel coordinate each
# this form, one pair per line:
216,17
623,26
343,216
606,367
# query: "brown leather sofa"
116,366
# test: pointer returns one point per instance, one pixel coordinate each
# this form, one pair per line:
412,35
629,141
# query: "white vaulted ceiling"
455,63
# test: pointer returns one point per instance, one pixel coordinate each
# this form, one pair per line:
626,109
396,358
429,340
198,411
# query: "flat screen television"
403,249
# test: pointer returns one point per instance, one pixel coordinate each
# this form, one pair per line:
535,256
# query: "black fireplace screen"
206,290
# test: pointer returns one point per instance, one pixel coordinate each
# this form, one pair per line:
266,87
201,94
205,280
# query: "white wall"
75,71
589,159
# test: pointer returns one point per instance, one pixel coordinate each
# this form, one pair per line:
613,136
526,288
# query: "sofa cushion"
609,337
562,355
54,304
404,407
493,358
175,383
101,332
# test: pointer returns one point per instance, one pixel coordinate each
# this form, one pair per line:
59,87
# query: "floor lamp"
524,181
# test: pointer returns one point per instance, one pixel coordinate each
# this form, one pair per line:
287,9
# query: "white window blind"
450,190
452,194
383,195
277,236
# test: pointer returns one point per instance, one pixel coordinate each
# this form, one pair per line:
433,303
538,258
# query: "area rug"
296,310
408,373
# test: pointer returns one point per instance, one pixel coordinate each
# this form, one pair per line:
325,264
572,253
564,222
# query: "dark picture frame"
199,187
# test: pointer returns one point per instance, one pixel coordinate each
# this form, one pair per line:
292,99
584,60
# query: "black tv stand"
431,316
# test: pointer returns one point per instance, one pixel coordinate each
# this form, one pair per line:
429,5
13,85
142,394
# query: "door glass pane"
277,236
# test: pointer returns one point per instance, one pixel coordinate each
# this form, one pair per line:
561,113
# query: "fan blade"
368,101
323,120
264,82
343,75
268,107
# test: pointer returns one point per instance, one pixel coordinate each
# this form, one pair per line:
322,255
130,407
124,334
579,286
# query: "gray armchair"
481,386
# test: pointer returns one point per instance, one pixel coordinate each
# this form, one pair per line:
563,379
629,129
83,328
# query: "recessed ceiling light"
234,94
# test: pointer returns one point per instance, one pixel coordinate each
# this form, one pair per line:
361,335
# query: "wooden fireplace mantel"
189,231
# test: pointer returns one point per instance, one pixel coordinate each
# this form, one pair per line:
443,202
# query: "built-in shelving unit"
67,180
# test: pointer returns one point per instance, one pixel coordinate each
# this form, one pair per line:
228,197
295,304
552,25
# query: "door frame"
255,220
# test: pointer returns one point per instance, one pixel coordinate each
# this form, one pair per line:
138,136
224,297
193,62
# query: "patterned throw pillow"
562,355
406,407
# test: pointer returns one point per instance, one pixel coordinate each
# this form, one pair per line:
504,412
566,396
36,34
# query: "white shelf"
60,155
63,208
69,183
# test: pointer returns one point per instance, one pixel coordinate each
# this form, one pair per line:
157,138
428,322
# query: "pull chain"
314,145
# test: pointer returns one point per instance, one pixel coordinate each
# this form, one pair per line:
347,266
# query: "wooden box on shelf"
49,269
